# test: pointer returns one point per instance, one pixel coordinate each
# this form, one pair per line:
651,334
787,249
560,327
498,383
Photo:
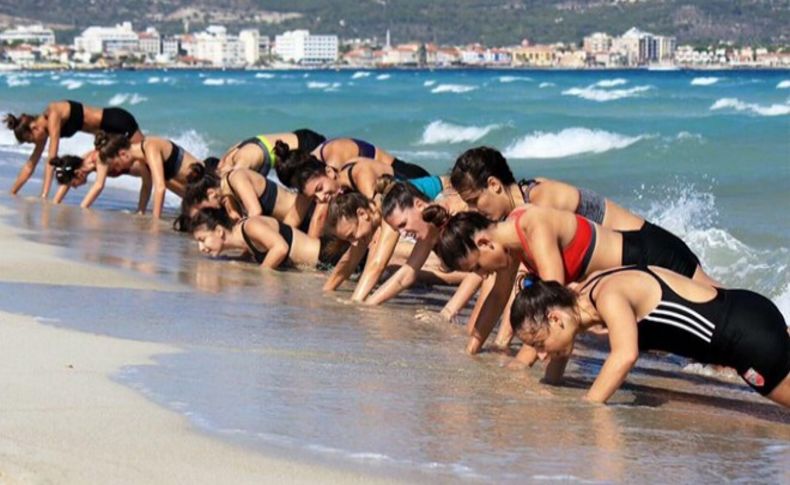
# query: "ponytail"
456,233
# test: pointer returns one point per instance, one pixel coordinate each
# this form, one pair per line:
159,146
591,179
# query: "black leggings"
404,170
753,340
118,120
653,245
308,139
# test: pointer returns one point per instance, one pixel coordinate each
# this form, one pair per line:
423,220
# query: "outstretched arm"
97,187
462,295
53,122
61,193
157,168
141,170
346,266
620,318
491,309
405,276
377,262
28,168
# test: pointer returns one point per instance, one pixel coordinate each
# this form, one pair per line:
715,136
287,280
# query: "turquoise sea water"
705,154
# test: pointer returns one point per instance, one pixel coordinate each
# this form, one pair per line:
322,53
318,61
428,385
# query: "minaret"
388,45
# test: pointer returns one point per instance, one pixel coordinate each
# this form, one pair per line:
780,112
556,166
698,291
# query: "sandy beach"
64,420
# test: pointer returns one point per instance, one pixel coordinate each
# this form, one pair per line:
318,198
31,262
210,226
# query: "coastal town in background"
35,46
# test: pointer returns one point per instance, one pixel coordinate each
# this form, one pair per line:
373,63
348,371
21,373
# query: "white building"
215,46
250,41
28,34
98,40
171,46
299,47
640,48
150,42
598,43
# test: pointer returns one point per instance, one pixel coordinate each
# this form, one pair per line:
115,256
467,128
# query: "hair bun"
100,140
384,184
11,121
436,215
196,173
281,150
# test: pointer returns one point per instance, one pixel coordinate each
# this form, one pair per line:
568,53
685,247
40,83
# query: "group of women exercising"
550,260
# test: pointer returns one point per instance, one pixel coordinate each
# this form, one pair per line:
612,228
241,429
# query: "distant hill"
492,22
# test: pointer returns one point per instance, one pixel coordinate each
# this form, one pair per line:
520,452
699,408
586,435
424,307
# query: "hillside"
493,22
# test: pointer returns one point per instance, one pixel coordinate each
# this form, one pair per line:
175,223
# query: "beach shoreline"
65,420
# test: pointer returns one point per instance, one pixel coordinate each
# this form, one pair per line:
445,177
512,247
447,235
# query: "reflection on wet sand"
272,360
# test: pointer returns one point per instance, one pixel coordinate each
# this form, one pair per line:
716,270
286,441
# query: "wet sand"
64,420
263,367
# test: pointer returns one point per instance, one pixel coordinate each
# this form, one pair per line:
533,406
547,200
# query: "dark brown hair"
211,218
65,168
109,144
297,167
476,165
20,126
199,181
345,206
456,235
397,194
534,300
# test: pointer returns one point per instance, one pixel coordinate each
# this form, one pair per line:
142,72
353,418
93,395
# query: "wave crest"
453,88
568,142
691,214
738,105
592,93
513,79
610,83
704,81
442,132
126,98
71,84
783,84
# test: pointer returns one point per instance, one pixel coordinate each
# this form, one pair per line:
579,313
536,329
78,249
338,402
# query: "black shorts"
753,340
308,139
653,245
405,170
118,120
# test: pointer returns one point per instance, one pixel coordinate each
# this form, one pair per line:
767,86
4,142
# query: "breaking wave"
568,142
442,132
738,105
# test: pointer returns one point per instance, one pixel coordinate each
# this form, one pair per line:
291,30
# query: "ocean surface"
271,363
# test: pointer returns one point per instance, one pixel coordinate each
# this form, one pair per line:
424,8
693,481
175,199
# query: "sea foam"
513,79
568,142
360,74
264,75
593,93
783,84
610,83
317,85
453,88
126,98
704,81
16,81
692,215
71,84
442,132
738,105
383,77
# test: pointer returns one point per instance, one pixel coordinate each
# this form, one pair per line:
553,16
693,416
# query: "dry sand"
63,420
